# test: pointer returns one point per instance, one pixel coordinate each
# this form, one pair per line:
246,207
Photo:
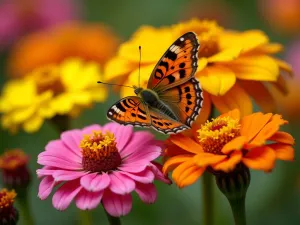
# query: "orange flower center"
215,134
99,152
6,198
48,79
13,159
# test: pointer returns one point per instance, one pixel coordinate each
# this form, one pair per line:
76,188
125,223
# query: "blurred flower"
55,89
94,42
232,65
19,17
225,142
8,214
282,15
100,164
15,173
289,104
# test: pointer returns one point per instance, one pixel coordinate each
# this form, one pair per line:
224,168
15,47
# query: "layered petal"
229,164
283,151
46,187
95,182
146,192
121,184
117,205
86,200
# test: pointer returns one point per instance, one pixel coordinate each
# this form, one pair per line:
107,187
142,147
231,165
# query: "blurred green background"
272,198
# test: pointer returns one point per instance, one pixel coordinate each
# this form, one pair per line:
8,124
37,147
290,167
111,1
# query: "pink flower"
101,164
20,17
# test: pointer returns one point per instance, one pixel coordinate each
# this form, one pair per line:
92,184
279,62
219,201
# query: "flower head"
100,164
59,43
55,89
232,65
22,17
8,214
15,173
227,141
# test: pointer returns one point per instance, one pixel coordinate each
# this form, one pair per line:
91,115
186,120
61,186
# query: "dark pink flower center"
99,152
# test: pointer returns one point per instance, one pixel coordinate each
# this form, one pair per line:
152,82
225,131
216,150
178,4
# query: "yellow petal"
216,79
226,55
259,92
235,98
266,49
284,66
33,124
255,67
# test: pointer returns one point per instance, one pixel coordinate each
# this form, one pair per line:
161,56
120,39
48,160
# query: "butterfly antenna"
140,50
100,82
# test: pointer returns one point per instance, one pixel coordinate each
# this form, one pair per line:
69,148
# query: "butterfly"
173,97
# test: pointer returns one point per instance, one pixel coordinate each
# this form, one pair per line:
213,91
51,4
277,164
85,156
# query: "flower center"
6,198
215,134
48,79
13,159
99,152
207,31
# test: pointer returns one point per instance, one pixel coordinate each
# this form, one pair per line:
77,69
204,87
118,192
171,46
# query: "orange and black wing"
185,100
177,65
130,110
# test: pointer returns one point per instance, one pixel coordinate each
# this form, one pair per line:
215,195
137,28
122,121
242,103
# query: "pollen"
215,134
13,159
99,152
6,198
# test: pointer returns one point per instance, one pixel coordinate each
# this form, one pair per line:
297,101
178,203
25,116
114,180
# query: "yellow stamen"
99,152
7,198
215,134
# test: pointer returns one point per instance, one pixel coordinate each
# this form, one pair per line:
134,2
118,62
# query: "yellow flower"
55,89
94,42
233,66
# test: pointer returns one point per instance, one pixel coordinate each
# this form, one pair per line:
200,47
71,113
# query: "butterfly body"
173,97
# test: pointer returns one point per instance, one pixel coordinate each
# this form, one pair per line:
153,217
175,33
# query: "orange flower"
223,143
94,42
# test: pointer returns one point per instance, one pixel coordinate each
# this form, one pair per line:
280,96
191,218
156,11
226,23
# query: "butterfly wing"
185,100
177,65
130,110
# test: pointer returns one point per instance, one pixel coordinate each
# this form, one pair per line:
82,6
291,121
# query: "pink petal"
146,192
45,171
122,133
137,143
95,182
121,184
134,167
147,152
67,175
57,147
48,159
89,129
157,170
46,187
146,176
72,140
65,194
117,205
86,200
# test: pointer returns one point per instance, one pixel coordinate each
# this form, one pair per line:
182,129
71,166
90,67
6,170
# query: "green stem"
25,210
238,210
85,217
207,199
113,220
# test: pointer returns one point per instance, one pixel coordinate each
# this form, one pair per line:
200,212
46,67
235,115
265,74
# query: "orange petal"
235,98
261,95
284,66
260,158
268,130
235,144
186,143
175,161
283,151
184,170
252,124
235,114
283,137
282,85
206,159
190,176
229,164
